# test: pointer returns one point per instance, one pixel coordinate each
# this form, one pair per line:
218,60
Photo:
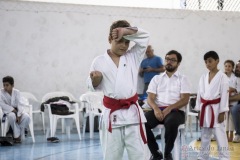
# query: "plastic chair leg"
32,131
43,121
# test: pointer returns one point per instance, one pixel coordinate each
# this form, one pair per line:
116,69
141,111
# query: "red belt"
205,104
116,104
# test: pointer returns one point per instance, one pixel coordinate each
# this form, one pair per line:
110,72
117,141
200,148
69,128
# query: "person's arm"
158,70
5,107
141,39
234,98
141,72
119,33
224,102
151,102
182,102
96,78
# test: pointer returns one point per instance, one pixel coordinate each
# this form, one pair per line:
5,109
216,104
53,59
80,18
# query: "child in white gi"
116,74
212,102
229,66
12,105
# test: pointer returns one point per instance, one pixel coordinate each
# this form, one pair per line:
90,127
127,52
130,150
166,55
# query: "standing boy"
115,73
212,102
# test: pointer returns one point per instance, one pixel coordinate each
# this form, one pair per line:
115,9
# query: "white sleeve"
224,103
141,40
89,80
185,85
152,87
198,100
5,107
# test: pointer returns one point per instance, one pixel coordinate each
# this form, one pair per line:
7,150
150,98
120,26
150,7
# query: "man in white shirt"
168,94
12,106
235,110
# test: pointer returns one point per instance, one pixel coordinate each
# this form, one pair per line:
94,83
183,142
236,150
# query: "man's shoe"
236,139
168,157
158,156
158,136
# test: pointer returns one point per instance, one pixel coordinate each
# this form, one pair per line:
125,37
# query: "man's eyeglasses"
171,60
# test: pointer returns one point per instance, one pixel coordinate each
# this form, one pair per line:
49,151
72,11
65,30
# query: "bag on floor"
6,141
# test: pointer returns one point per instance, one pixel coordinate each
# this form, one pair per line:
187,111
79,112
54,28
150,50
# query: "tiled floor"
66,149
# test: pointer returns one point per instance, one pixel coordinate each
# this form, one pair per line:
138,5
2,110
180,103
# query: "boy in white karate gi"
115,73
12,105
212,102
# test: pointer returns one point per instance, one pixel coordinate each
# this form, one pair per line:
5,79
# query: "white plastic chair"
53,117
93,105
36,106
27,109
191,114
1,115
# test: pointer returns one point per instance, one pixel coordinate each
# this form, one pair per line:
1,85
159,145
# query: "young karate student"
115,73
229,66
212,102
12,105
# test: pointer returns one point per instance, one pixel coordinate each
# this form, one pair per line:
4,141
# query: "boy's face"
120,47
211,63
7,87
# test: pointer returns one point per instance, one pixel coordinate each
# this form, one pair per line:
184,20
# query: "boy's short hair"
119,23
8,79
179,56
211,54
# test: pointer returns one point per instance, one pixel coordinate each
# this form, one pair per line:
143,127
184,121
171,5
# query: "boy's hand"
118,33
18,119
221,117
96,77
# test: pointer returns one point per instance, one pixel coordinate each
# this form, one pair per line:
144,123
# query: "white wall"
49,47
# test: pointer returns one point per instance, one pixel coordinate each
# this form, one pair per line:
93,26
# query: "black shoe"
53,139
168,157
199,139
17,140
158,136
158,156
26,132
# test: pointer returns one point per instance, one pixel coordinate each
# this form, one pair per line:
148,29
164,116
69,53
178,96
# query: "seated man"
235,110
12,106
168,94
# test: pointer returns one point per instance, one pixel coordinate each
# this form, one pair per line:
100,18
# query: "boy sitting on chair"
12,106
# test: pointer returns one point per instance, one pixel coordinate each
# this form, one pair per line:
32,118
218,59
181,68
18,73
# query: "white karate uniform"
229,120
121,83
217,88
8,103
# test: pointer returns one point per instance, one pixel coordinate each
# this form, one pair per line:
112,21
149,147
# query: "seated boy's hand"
221,117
